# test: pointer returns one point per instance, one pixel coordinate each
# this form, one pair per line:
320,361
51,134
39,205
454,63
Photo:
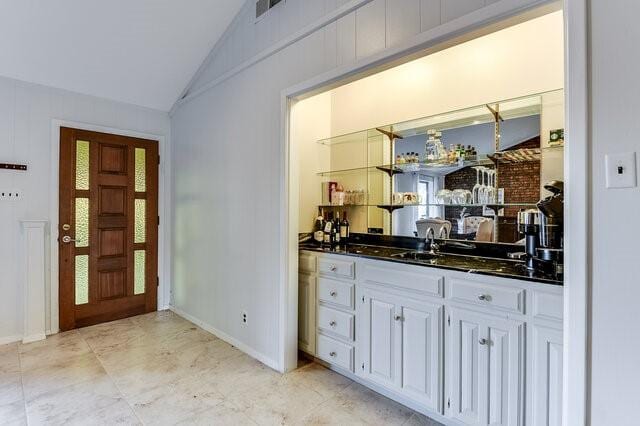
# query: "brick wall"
521,183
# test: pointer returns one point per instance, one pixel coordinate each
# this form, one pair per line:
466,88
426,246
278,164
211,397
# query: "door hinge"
363,366
158,159
449,320
448,402
362,299
157,281
158,220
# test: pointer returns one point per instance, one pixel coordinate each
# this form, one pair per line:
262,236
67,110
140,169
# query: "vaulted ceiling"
142,52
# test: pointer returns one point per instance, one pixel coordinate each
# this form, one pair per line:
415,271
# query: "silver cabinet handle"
484,297
67,239
332,354
333,294
483,341
333,268
397,317
332,323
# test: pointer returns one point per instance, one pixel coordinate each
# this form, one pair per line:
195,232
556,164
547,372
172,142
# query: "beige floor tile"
113,335
172,402
62,374
74,402
238,374
9,359
418,419
53,350
224,413
12,413
322,380
280,404
362,406
10,388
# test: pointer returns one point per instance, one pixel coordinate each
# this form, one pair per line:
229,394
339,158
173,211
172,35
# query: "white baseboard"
230,340
10,339
34,337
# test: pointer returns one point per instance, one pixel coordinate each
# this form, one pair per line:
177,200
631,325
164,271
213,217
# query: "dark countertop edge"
449,268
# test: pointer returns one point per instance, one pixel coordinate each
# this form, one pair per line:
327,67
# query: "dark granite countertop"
505,268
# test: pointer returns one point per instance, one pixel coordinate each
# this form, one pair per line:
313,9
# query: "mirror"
464,174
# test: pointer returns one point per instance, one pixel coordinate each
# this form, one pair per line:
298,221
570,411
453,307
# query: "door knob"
333,294
483,341
67,239
332,323
398,317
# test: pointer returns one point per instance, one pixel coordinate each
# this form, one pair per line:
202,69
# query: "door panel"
380,336
468,385
421,349
547,377
106,274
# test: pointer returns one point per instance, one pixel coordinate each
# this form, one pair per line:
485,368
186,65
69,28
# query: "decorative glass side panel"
82,222
141,169
141,221
82,279
139,257
82,165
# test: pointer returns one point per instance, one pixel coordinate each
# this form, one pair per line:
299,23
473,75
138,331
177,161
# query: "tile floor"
159,369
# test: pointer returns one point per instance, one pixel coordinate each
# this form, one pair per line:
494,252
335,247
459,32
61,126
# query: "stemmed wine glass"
476,187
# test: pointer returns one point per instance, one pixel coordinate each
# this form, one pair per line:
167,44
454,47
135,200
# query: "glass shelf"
427,168
491,205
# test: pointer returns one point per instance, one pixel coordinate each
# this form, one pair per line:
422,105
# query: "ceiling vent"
263,6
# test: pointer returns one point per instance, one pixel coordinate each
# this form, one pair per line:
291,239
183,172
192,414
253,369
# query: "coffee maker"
544,232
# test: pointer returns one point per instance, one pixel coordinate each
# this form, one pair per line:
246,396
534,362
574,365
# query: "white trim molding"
34,279
164,210
577,159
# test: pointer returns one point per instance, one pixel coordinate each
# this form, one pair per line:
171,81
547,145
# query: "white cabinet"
307,313
547,380
486,365
401,344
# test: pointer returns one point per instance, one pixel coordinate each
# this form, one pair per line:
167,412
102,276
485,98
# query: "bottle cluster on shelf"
330,230
334,194
435,151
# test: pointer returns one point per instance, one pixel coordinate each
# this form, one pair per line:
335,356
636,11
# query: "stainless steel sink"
416,255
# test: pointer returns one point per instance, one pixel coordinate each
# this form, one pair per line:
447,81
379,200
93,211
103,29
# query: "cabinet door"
547,376
468,364
381,328
421,353
486,369
505,349
307,313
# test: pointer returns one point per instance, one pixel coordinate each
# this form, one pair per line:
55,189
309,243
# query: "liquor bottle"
318,229
328,225
344,228
336,228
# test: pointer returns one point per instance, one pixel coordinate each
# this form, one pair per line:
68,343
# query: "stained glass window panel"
82,222
141,158
82,279
138,271
82,165
140,221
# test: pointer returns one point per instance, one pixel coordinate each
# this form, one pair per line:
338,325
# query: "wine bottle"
344,228
318,229
328,225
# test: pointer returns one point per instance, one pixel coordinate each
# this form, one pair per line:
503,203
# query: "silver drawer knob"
333,294
332,354
332,323
484,297
333,268
398,317
482,341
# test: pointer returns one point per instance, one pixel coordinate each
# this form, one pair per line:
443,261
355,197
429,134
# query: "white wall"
615,269
26,114
518,61
228,149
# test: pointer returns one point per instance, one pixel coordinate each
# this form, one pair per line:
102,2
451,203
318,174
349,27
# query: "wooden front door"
108,227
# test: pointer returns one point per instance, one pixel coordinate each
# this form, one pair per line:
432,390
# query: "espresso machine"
543,232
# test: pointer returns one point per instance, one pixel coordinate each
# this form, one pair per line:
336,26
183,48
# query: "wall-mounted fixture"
6,166
263,6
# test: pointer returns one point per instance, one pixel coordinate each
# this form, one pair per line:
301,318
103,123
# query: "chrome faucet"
433,246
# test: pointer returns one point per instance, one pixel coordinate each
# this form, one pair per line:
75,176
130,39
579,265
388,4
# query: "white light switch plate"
621,170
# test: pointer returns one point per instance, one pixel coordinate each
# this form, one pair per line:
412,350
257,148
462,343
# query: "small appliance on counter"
543,230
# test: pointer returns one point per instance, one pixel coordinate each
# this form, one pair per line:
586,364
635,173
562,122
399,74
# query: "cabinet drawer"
405,277
306,262
336,268
336,322
483,294
336,292
547,306
335,352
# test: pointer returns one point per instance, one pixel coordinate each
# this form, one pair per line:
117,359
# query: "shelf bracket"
390,207
390,170
389,134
